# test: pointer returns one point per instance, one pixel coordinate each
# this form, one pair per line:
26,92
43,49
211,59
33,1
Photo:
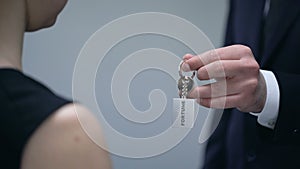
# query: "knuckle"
204,102
197,92
242,48
245,50
218,66
198,74
250,66
214,54
220,52
203,73
254,66
218,87
204,92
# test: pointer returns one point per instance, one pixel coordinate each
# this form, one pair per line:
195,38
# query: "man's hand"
239,83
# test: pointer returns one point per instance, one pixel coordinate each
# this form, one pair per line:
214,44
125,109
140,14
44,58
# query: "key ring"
180,70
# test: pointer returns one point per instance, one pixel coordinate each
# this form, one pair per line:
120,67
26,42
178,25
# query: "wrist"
261,93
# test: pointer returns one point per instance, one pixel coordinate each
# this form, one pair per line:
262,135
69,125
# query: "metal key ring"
180,70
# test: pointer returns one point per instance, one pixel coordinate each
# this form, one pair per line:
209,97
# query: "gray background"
50,55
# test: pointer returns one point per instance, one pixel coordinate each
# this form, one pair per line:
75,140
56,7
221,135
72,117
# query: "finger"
205,58
220,69
217,89
234,52
187,57
220,102
198,61
186,67
193,63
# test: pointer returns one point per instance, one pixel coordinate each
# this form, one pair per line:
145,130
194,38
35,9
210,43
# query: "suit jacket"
239,142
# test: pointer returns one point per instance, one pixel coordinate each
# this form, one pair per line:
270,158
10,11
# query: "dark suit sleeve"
216,147
284,63
288,121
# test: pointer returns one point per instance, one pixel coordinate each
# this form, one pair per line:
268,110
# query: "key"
184,109
185,84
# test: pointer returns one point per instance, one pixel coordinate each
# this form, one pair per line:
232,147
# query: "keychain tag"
184,112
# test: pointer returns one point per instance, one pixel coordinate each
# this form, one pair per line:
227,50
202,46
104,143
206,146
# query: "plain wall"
50,55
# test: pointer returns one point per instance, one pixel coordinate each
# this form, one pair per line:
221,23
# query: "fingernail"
187,57
185,67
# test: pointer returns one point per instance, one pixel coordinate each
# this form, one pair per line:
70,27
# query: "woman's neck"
12,21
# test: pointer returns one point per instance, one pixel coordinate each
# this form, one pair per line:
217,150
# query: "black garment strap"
25,105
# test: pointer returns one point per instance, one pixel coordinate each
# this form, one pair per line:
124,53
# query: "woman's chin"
47,24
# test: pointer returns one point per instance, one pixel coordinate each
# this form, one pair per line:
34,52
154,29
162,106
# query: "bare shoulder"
61,142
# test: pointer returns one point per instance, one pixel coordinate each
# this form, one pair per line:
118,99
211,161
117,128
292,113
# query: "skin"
234,66
60,142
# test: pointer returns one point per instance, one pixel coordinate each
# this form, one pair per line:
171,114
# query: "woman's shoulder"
64,137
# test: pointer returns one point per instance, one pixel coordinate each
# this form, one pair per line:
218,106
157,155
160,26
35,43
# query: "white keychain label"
184,112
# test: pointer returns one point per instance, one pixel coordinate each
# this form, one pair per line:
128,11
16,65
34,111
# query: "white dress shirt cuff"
268,116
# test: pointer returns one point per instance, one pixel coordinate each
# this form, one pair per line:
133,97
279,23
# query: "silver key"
185,83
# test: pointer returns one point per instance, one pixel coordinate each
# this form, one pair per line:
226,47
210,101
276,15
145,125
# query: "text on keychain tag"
184,109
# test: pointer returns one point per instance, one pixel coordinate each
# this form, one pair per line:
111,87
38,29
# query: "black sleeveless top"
25,104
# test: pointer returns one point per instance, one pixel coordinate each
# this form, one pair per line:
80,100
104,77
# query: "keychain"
184,109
